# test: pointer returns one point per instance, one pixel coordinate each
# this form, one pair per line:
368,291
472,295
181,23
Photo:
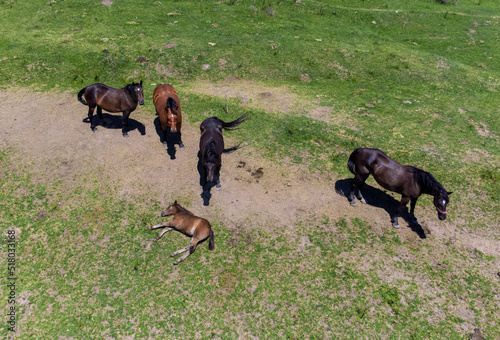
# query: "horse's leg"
126,114
217,175
162,233
402,204
181,145
356,185
191,248
165,137
413,202
91,115
99,113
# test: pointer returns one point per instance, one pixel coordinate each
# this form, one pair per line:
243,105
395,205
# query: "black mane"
211,152
427,182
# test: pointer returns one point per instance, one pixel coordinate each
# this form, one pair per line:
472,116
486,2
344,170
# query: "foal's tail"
350,162
211,242
232,125
80,96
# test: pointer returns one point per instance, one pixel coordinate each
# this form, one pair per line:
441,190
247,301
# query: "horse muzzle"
141,102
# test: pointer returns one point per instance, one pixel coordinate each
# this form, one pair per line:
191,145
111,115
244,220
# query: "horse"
112,100
406,180
190,225
168,110
212,146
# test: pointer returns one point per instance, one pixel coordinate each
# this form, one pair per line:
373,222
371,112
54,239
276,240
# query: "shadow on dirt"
172,138
377,198
116,122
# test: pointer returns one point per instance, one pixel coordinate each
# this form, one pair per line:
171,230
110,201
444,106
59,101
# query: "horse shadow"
172,138
116,122
377,198
206,186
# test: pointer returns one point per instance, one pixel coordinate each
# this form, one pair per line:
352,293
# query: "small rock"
205,67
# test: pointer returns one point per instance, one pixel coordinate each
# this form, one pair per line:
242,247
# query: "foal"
112,100
406,180
188,224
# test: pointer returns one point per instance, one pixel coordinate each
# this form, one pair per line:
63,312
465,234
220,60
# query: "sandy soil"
49,133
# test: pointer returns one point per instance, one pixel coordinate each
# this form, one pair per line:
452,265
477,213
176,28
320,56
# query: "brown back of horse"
161,95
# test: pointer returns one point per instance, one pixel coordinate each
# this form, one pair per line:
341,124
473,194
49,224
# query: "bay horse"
406,180
168,110
112,100
190,225
212,146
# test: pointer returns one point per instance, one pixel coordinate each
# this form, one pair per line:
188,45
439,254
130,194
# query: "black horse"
212,147
406,180
112,100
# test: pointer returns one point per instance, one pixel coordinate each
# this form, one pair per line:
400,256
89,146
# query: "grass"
418,80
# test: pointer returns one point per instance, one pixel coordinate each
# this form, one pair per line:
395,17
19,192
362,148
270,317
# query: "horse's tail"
350,162
232,125
211,242
234,148
80,96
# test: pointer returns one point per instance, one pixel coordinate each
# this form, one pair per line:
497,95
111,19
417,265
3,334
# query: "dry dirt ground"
48,132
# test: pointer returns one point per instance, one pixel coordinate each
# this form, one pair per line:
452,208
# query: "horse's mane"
426,181
130,89
171,104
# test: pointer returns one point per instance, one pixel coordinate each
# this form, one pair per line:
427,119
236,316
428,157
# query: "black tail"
80,96
350,162
232,125
234,148
211,243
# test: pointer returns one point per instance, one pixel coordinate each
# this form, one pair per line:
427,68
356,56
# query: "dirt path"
48,131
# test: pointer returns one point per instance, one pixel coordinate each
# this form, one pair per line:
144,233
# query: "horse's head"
171,210
441,200
139,93
172,117
211,160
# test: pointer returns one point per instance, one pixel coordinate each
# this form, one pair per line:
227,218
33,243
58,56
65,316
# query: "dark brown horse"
406,180
112,100
168,109
212,146
190,225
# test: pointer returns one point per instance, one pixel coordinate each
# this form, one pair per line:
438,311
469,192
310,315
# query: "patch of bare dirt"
48,134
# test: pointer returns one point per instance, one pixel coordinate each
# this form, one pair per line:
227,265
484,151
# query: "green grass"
417,79
87,275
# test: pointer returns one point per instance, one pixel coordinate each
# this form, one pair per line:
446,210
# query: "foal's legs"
162,225
402,204
126,114
356,185
413,202
191,247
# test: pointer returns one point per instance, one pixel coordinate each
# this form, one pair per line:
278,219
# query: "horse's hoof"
165,144
362,200
181,147
218,187
125,135
353,203
94,130
176,263
395,226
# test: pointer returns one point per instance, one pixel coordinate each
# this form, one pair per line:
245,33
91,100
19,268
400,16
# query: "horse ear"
141,83
175,203
450,192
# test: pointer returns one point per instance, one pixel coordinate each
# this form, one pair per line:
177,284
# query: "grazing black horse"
112,100
212,146
406,180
